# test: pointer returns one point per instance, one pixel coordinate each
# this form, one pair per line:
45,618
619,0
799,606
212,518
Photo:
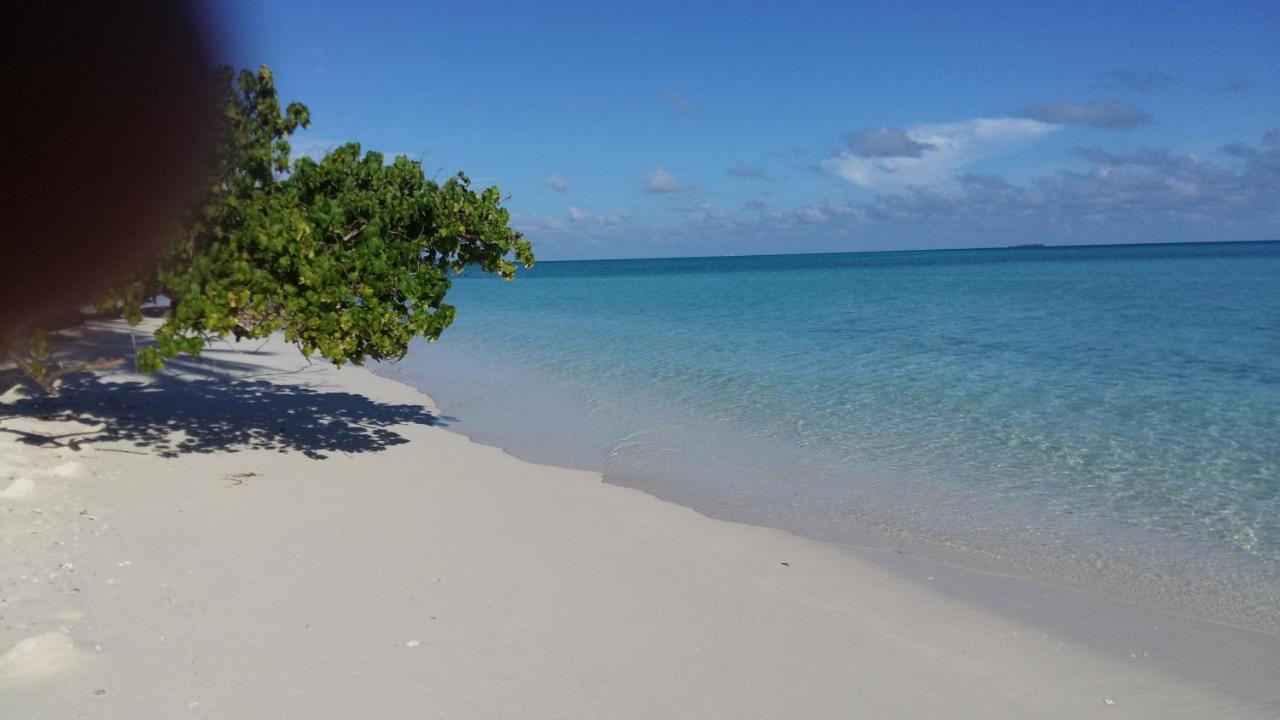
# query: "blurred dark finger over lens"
107,118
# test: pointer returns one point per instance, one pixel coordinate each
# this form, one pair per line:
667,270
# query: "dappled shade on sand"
203,411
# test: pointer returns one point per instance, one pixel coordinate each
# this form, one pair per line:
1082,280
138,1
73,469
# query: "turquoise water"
1102,416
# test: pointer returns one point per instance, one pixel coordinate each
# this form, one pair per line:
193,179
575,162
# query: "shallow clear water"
1107,416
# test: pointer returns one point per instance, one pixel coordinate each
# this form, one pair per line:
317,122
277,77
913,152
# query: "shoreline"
1112,624
446,577
1118,445
1117,564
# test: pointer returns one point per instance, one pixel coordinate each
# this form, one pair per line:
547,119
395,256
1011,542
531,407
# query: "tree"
349,256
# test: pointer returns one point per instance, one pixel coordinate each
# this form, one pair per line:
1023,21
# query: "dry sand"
249,536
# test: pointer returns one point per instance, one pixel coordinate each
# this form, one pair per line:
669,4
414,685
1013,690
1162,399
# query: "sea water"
1105,417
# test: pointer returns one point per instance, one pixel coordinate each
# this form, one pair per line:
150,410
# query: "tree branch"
47,381
354,231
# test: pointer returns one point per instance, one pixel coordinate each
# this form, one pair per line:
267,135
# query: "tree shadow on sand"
204,411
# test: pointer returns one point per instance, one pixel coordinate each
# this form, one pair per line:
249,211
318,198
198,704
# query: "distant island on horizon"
1020,246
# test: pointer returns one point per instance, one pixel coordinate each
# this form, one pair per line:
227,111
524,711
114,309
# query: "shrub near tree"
349,256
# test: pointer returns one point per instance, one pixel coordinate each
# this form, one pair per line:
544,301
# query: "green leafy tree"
349,256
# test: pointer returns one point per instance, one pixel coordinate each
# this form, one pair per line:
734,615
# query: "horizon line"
1022,246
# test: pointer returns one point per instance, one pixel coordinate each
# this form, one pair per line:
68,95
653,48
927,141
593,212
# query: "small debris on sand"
238,478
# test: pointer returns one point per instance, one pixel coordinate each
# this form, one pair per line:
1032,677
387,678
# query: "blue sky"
644,129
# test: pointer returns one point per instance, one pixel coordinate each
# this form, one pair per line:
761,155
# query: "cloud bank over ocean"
1105,196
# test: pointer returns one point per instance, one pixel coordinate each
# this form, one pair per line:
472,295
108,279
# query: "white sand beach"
253,536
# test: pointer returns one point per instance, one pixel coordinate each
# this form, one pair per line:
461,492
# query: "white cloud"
557,183
660,181
579,216
885,142
1134,194
1100,113
747,171
946,149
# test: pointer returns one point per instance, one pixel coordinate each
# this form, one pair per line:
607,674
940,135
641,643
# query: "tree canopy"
349,256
